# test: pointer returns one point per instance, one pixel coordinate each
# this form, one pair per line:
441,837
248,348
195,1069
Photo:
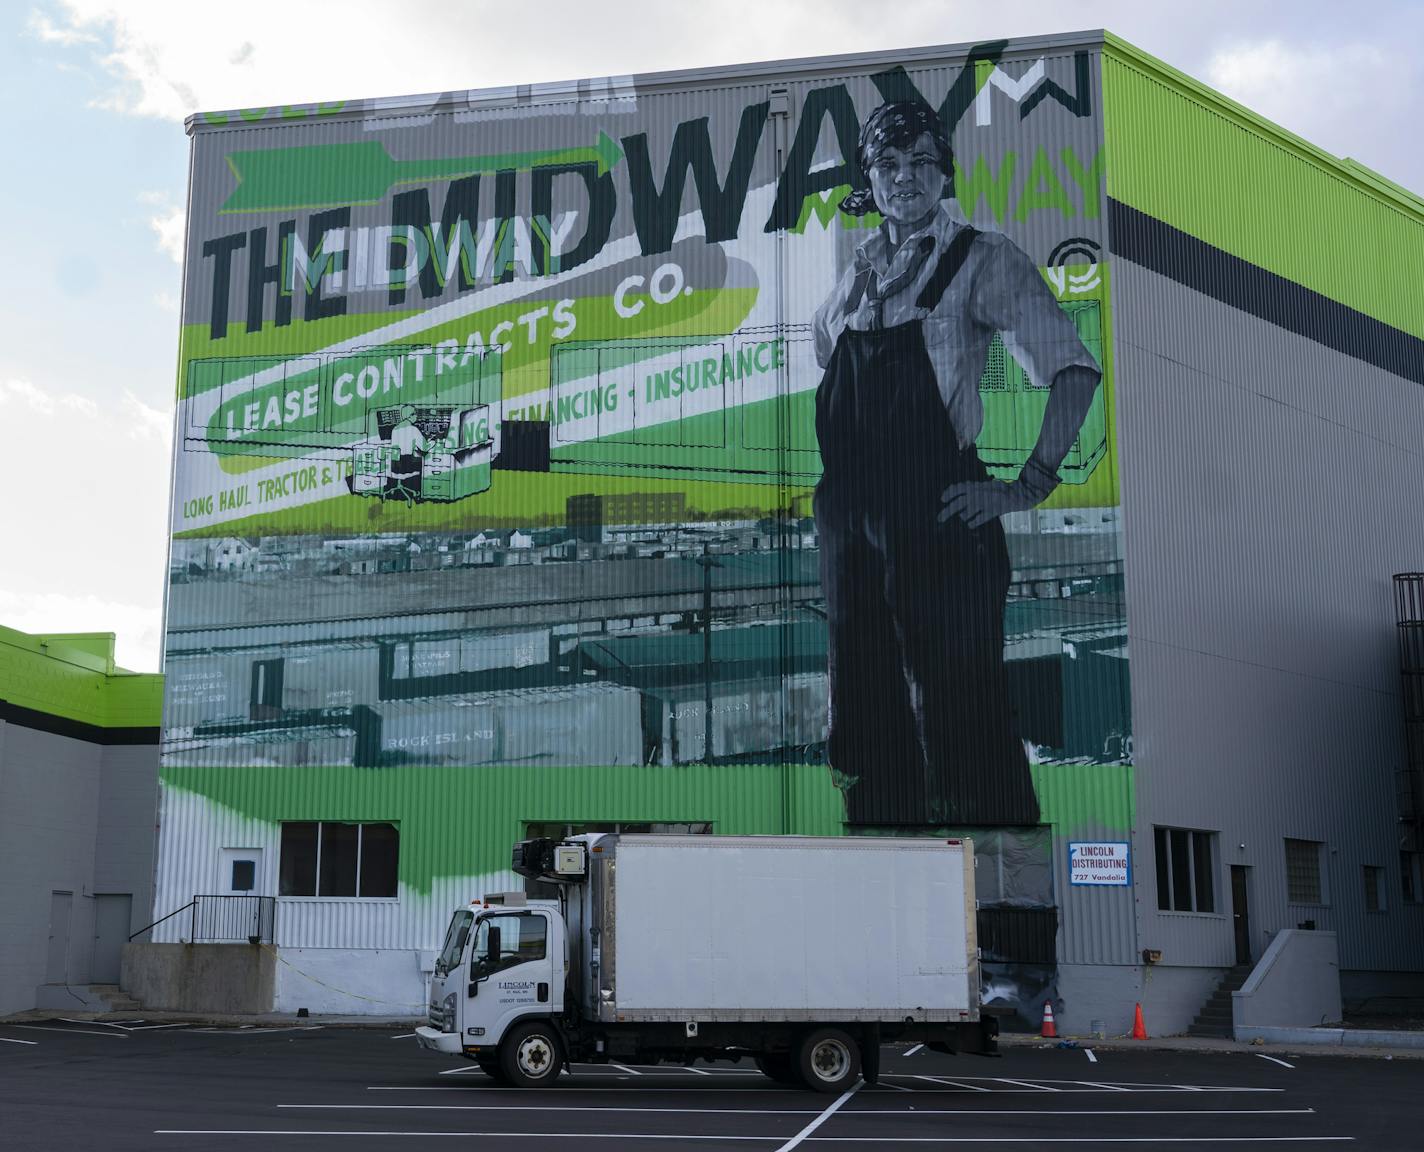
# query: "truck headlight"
447,1010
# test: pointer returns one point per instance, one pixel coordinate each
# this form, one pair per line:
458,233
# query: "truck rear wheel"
828,1060
531,1056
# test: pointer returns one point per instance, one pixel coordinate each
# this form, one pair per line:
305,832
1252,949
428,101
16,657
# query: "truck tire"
489,1065
531,1056
777,1066
828,1060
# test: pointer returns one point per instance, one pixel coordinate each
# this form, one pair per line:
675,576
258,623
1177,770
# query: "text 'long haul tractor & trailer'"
804,954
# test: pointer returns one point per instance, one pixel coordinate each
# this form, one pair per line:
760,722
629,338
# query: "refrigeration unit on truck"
802,954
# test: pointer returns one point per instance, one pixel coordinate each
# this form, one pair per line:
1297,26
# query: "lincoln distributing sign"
1099,863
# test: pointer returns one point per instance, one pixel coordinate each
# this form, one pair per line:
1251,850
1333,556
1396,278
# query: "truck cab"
502,963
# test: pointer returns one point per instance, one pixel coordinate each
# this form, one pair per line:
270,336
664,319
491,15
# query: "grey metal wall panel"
1270,488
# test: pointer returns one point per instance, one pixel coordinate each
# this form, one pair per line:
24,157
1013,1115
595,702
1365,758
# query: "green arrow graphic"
327,175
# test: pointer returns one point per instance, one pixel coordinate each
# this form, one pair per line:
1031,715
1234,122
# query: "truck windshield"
455,938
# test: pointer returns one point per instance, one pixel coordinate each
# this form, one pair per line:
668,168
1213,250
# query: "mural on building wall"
750,423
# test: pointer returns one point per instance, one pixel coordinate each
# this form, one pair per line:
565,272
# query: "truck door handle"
543,992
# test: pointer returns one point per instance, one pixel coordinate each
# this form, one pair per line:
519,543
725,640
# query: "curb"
1332,1037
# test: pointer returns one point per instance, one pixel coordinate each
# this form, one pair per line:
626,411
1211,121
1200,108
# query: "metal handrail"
170,916
234,916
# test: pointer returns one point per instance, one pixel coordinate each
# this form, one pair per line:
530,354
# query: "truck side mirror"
492,951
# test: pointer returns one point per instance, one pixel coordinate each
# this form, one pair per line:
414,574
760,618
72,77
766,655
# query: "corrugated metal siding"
1270,481
375,633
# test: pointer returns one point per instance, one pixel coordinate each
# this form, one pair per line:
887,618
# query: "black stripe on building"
1159,247
75,729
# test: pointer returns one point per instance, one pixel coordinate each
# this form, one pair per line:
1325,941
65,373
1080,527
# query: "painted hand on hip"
976,502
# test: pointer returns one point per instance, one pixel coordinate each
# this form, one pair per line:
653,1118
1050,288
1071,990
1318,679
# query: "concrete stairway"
117,999
1215,1017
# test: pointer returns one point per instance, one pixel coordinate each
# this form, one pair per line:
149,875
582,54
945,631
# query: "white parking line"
955,1089
403,1036
952,1083
77,1031
1109,1087
269,1132
7,1040
1091,1058
684,1138
1076,1112
915,1049
849,1113
1028,1084
624,1067
830,1111
1273,1060
461,1070
556,1108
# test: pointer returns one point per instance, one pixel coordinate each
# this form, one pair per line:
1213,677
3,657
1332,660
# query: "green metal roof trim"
1197,160
74,677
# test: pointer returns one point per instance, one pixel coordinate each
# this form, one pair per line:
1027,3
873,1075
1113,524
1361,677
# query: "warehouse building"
78,793
513,496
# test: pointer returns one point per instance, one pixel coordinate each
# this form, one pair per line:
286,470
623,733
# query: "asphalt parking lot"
133,1085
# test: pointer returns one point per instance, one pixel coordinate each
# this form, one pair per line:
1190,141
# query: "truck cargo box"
692,928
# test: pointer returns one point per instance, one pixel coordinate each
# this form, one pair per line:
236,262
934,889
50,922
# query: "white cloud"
169,226
166,302
147,423
136,626
97,538
47,31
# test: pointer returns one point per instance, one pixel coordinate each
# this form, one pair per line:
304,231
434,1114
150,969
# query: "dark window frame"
319,878
1317,896
1185,861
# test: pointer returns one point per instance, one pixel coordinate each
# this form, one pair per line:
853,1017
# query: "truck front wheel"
531,1057
828,1060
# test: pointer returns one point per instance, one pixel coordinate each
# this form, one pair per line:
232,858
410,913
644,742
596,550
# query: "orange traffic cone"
1049,1030
1139,1029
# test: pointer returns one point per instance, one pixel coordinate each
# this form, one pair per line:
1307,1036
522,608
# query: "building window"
1185,872
1411,875
1303,872
1374,888
340,859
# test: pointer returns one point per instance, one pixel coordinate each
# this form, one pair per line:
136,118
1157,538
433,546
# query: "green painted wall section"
1085,799
1200,162
74,677
462,821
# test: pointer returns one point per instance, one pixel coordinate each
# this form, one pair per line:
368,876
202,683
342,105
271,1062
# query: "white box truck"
803,954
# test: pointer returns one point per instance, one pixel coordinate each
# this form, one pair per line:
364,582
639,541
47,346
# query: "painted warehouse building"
1015,439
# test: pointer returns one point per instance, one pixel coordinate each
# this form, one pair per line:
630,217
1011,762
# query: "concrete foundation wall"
355,981
1383,993
200,977
1296,983
1170,996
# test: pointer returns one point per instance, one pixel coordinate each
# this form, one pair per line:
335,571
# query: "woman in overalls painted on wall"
914,563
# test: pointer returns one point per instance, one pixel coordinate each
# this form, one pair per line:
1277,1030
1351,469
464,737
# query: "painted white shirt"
998,289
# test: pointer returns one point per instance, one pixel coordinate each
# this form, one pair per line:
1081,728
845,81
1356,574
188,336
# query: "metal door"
112,916
57,966
1240,917
241,872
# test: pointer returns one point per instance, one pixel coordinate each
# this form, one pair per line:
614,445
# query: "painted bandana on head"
895,125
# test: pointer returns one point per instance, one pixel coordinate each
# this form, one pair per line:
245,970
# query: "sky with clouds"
96,92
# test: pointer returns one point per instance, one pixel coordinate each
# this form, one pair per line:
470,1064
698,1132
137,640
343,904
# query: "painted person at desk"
914,563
